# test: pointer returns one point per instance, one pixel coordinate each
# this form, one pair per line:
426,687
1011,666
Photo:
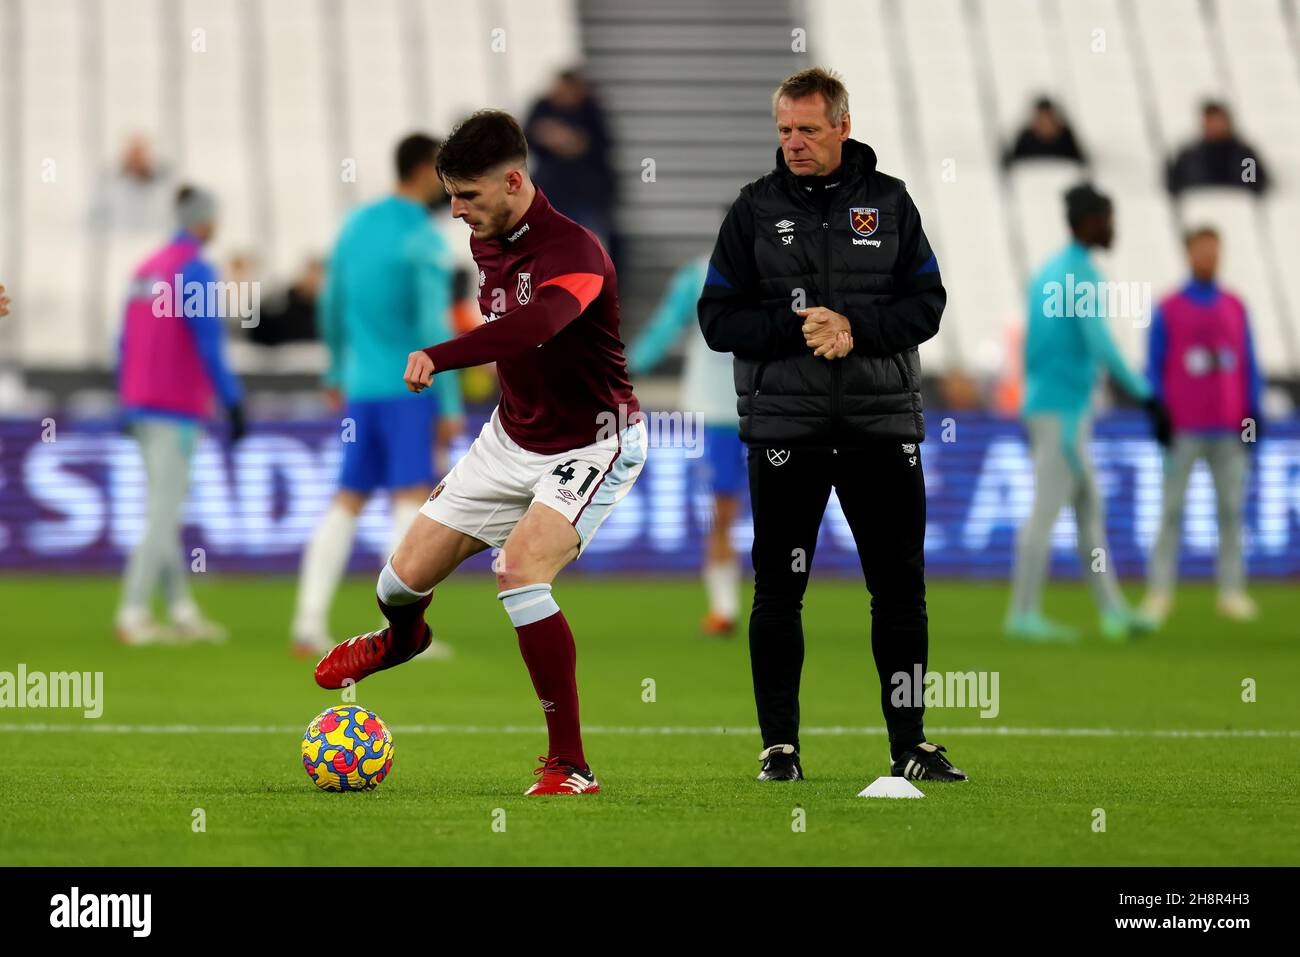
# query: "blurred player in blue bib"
388,293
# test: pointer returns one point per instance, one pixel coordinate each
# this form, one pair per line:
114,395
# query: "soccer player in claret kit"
554,459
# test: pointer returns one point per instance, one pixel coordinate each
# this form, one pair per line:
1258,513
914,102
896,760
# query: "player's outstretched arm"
555,304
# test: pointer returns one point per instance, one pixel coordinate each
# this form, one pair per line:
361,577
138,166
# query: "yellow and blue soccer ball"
347,749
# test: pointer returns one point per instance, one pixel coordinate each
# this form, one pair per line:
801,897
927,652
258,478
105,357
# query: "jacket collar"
856,159
1200,292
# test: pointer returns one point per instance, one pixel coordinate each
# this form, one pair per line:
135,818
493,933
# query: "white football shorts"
488,491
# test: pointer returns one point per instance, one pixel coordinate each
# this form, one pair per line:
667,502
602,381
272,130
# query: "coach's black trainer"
926,761
780,763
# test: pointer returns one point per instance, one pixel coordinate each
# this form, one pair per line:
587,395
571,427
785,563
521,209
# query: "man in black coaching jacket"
822,284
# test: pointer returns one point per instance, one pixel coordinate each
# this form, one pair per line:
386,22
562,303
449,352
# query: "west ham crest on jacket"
864,220
524,288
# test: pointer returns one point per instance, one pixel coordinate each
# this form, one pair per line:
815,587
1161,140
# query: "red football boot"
362,656
716,626
557,778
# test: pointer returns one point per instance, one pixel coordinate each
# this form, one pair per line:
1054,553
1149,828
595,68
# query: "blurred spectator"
289,314
136,195
1201,363
1046,136
4,302
1219,158
569,141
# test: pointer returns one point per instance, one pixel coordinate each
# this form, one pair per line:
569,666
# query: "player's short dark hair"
1199,232
480,142
413,152
1082,202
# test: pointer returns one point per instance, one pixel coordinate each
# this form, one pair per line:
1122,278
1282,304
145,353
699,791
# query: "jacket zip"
826,295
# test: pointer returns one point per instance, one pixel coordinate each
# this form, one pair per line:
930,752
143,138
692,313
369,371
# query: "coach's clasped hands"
826,332
419,372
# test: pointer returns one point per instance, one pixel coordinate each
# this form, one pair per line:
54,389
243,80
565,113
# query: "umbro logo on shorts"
778,457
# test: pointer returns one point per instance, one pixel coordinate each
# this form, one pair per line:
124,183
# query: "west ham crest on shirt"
524,288
864,220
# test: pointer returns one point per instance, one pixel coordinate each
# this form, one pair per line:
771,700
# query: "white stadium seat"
305,161
1178,57
56,171
1102,70
957,164
1023,60
215,122
1037,191
377,98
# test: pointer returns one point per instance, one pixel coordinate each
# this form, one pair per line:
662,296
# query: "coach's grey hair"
813,81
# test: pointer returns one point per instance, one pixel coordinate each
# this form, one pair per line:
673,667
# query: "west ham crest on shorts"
864,220
524,288
778,457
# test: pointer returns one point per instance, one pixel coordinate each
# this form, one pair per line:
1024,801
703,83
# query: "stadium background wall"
76,503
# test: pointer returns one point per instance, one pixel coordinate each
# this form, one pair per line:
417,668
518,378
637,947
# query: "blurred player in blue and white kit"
387,294
1065,352
708,392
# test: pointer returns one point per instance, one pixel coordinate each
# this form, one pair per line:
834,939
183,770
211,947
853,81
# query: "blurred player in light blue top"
1066,346
707,392
388,294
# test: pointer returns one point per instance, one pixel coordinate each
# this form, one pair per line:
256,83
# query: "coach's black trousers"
881,490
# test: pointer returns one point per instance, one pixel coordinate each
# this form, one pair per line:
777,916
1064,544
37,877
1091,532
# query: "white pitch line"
96,727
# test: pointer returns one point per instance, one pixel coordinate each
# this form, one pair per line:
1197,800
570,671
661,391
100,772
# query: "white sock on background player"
402,515
323,561
722,582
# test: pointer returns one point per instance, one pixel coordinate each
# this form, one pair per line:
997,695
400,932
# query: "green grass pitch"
1095,725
